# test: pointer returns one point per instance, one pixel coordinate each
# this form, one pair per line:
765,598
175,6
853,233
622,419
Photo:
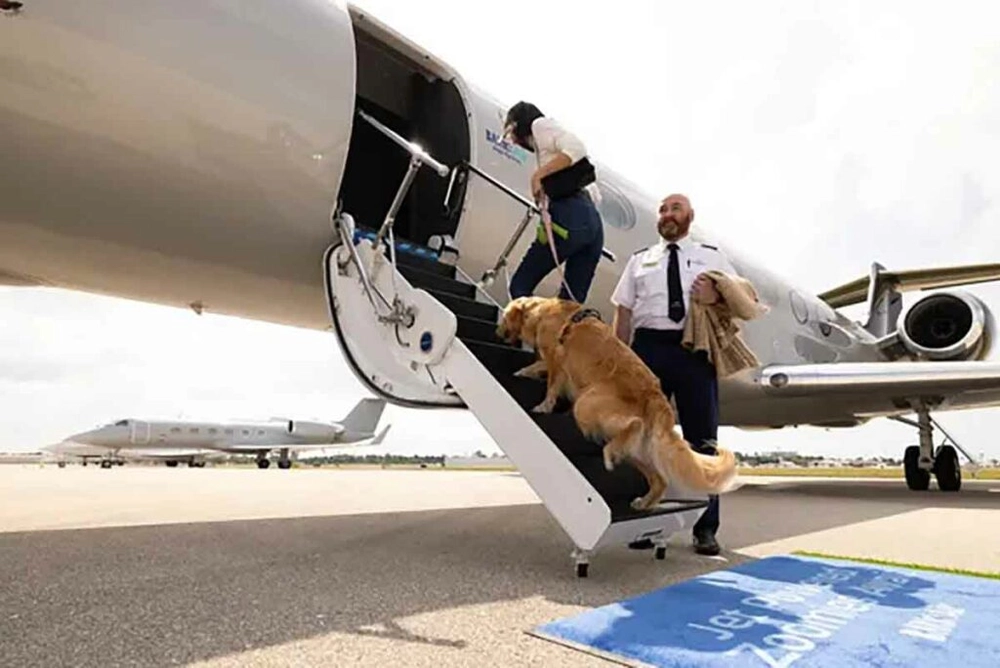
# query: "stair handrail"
532,210
418,158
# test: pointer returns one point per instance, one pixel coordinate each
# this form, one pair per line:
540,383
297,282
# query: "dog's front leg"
553,389
536,369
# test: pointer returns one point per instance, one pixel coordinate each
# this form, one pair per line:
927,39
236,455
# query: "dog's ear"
512,320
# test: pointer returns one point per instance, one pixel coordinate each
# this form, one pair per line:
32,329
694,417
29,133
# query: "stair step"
468,308
430,281
473,329
424,264
501,360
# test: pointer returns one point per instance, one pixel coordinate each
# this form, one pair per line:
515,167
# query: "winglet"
381,436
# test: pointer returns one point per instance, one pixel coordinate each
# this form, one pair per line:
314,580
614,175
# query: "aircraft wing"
856,291
945,381
254,448
166,453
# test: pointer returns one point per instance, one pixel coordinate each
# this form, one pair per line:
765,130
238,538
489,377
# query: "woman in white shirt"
567,179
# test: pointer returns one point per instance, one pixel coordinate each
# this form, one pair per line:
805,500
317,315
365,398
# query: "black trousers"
689,378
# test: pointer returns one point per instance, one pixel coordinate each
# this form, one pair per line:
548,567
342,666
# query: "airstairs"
421,333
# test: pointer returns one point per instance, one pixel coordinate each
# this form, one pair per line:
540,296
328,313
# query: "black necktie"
674,294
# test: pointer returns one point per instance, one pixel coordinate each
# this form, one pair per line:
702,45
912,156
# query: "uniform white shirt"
551,139
642,287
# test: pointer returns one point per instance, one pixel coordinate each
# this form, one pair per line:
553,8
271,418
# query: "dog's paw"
638,503
544,407
609,463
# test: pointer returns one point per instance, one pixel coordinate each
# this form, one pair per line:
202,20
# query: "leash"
547,223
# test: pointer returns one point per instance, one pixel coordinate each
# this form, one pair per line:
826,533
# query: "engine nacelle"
948,326
317,432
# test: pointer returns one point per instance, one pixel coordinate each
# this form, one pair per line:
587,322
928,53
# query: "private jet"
174,441
304,163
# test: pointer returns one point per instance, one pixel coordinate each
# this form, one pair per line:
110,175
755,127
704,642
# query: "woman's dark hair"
521,116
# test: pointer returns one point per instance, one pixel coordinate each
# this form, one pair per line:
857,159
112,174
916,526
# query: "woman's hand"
536,186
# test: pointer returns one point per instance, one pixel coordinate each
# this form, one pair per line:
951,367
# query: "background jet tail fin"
859,290
364,417
381,436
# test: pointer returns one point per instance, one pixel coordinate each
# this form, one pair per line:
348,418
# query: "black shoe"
644,544
706,544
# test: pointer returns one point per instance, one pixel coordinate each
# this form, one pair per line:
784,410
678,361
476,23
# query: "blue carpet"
799,611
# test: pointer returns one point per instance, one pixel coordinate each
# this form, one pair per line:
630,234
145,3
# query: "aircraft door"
140,432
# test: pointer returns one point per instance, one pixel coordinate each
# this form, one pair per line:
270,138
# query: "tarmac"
149,566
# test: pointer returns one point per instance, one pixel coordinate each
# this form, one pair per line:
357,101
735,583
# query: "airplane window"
229,432
212,430
194,430
615,208
246,432
175,430
260,432
121,423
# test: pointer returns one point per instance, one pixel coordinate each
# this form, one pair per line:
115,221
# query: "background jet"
250,437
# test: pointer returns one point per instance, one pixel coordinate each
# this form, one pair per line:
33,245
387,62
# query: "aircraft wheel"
106,464
947,470
284,465
917,479
171,464
263,463
581,570
661,553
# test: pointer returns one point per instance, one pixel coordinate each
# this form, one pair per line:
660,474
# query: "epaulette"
641,250
715,248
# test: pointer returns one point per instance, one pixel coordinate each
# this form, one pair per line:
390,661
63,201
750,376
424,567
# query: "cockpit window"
121,423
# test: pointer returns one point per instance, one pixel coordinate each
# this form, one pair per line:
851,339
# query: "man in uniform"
652,299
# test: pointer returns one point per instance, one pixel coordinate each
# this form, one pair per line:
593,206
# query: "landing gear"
920,461
917,479
582,560
947,470
283,461
263,463
171,463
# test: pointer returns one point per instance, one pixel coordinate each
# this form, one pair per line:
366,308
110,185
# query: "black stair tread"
424,264
501,360
623,511
462,306
429,281
474,329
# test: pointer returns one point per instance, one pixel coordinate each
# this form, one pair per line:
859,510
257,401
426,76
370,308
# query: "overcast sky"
817,137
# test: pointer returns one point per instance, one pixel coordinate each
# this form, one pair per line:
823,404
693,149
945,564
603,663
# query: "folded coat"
715,329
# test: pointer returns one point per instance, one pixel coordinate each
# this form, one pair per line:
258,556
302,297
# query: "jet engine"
948,326
314,431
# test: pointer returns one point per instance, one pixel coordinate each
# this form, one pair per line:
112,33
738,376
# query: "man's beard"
673,229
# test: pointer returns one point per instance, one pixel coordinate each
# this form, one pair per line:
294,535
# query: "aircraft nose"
92,437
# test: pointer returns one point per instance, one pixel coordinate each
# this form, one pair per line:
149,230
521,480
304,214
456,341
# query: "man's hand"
703,290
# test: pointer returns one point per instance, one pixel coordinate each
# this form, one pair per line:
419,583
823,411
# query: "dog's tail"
680,464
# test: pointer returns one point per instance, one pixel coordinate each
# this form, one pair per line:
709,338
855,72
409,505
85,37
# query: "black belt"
672,336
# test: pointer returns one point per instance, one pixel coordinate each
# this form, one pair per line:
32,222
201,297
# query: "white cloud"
816,136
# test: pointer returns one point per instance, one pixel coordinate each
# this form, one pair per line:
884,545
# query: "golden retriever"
615,397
